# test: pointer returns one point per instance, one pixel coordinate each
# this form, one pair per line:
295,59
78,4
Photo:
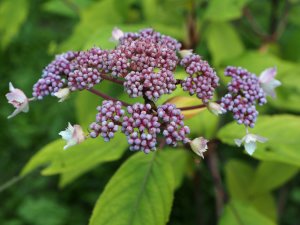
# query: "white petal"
238,142
185,52
250,147
261,139
11,87
117,34
62,94
17,111
267,75
215,108
199,146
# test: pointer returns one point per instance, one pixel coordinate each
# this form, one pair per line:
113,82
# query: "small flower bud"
215,108
62,94
73,135
18,99
199,146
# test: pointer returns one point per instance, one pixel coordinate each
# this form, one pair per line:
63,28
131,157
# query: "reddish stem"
192,107
114,80
105,96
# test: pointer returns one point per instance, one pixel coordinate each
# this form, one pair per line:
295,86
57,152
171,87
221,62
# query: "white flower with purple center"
73,135
249,141
18,99
199,146
268,82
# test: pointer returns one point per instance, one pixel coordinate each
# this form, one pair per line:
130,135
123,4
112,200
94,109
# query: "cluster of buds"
144,63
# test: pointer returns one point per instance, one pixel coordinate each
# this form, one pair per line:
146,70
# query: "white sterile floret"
62,94
268,82
249,141
199,146
215,108
117,34
73,135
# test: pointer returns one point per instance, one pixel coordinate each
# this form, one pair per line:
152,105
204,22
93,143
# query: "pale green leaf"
264,180
224,10
282,132
223,42
140,192
78,159
238,179
92,19
239,213
12,16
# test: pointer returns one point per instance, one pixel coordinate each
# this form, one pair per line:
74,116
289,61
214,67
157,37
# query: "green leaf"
240,178
12,16
281,146
224,10
239,213
78,159
92,19
223,42
140,192
237,179
178,159
263,179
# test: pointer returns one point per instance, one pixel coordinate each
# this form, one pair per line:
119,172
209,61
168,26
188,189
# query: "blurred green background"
251,33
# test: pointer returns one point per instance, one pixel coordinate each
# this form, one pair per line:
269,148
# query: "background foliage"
260,190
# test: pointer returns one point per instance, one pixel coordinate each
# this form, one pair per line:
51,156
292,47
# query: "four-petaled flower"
18,99
249,141
268,82
62,94
117,34
199,146
73,135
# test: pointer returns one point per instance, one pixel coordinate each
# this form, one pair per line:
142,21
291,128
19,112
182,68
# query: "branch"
212,159
192,107
253,23
105,96
114,80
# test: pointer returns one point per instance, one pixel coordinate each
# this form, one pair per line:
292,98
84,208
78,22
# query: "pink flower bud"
18,99
73,135
199,146
268,82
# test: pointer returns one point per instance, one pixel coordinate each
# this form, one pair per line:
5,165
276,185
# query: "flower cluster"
55,75
144,64
244,91
107,120
202,79
174,129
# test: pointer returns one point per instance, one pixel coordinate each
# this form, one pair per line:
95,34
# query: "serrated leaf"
11,19
140,192
237,213
224,10
282,132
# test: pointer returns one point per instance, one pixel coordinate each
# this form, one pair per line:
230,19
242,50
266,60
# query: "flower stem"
114,80
192,107
105,96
